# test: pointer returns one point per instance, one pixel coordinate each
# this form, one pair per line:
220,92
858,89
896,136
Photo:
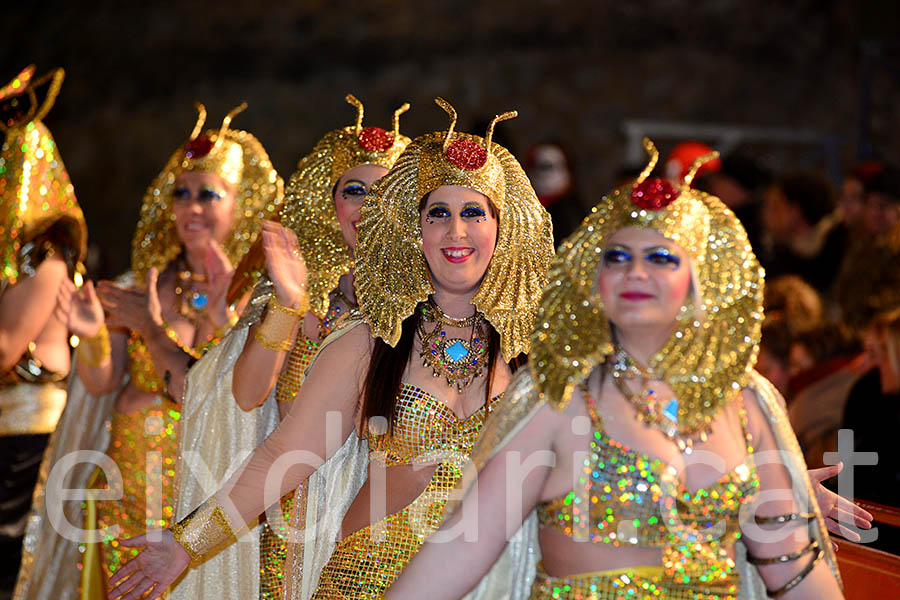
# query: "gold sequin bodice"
426,427
143,445
140,366
626,498
365,563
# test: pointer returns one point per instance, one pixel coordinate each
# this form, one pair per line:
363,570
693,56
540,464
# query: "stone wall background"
574,69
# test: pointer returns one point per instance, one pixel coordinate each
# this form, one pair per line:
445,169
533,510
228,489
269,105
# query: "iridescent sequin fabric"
365,563
626,498
146,435
713,349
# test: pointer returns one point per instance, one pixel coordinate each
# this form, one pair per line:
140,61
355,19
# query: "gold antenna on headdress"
201,120
450,111
490,130
227,121
351,99
56,76
695,166
397,114
653,153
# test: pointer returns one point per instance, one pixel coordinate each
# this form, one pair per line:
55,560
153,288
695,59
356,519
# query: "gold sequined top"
140,366
626,498
427,428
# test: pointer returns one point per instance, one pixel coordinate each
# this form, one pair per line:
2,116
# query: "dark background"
576,71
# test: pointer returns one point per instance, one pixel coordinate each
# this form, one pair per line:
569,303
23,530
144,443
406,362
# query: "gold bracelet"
95,351
203,530
276,332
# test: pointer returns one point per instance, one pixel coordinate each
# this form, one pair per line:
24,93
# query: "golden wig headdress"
35,190
710,356
391,273
309,205
236,156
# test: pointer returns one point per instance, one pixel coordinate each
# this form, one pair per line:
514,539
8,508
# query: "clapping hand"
285,265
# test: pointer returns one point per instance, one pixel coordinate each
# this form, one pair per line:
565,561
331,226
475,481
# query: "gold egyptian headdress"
236,156
309,204
391,273
710,356
35,191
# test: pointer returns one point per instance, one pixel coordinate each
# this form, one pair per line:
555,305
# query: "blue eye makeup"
208,194
438,211
474,211
663,257
616,256
354,189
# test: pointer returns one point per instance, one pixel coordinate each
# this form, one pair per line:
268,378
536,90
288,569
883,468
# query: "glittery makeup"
354,190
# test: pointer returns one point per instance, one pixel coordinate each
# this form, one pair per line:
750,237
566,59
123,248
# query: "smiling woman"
453,285
198,217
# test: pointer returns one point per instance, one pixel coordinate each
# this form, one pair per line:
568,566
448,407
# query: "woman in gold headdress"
453,229
654,443
200,214
43,238
227,408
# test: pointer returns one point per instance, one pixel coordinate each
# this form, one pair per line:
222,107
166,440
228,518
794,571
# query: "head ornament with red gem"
713,348
240,160
35,191
309,199
392,275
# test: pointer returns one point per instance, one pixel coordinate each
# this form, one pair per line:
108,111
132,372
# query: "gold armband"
276,332
95,351
203,530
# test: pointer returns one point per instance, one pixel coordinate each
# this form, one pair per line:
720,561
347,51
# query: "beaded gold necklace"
457,360
655,412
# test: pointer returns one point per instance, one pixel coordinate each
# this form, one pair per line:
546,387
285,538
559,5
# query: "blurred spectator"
739,184
873,413
774,352
869,277
803,234
793,303
551,170
852,203
825,362
882,201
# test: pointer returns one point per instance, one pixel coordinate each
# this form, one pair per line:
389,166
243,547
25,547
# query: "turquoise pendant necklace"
458,361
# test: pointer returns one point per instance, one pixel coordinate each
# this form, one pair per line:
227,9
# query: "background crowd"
800,101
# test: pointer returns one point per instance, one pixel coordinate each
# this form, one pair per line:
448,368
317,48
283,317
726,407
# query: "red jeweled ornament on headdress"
466,155
653,194
198,147
376,139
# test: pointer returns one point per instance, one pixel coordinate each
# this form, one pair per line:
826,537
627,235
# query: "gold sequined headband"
309,205
391,272
35,190
709,358
236,156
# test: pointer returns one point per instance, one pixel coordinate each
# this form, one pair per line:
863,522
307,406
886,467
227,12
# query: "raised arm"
26,307
508,487
269,341
312,432
778,540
